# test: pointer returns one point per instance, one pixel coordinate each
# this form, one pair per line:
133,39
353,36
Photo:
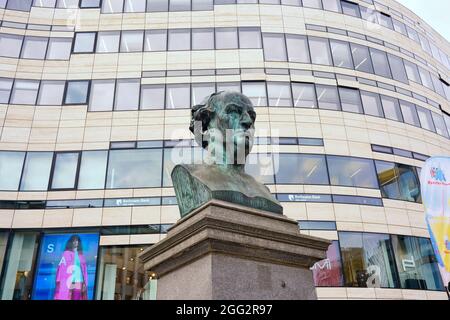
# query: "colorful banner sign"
435,187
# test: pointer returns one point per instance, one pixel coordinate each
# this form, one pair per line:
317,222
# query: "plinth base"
224,251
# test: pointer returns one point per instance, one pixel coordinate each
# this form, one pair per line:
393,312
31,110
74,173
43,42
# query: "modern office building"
351,98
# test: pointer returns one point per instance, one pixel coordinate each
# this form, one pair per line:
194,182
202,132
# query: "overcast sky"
435,12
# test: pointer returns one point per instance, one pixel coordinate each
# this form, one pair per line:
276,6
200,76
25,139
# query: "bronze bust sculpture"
223,124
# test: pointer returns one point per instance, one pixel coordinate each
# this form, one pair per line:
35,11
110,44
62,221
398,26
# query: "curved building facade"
351,98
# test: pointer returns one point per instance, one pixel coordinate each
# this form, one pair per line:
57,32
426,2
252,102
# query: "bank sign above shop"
435,185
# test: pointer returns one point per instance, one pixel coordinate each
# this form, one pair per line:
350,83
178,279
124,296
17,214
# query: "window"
409,113
260,166
385,20
36,172
351,9
317,4
44,3
328,97
90,4
102,95
279,94
131,41
201,91
320,51
439,124
304,95
134,6
371,104
84,42
399,27
152,96
5,89
10,45
391,108
398,69
332,5
341,54
274,47
228,86
112,6
380,63
127,94
328,272
297,47
155,40
180,5
412,72
249,38
226,38
92,170
134,168
447,123
76,92
22,5
65,170
19,266
51,93
157,5
10,170
368,260
178,96
24,92
67,4
108,42
179,39
426,121
426,78
398,181
202,39
256,92
416,263
352,172
34,48
301,169
59,48
350,100
198,5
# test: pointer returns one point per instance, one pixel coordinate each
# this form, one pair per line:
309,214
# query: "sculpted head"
225,121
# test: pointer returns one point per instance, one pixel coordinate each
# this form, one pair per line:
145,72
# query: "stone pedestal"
223,251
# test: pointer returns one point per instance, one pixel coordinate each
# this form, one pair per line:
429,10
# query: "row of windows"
345,7
370,260
145,168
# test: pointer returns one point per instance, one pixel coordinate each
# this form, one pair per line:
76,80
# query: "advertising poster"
66,267
435,187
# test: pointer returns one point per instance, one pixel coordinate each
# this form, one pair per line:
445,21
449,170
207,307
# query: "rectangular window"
59,48
34,48
138,168
250,38
426,78
36,172
426,121
368,260
304,95
409,113
178,96
398,69
10,45
228,86
179,39
90,4
320,51
332,5
112,6
92,170
256,92
226,38
21,5
351,9
67,4
127,94
341,54
5,89
439,124
297,48
157,5
44,3
201,91
51,93
380,63
77,92
134,6
10,170
385,20
350,100
108,42
274,47
132,41
301,169
25,92
412,72
84,42
328,97
260,166
279,94
152,96
352,172
391,108
203,39
102,95
372,104
156,40
180,5
328,272
316,4
65,170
